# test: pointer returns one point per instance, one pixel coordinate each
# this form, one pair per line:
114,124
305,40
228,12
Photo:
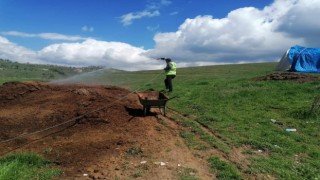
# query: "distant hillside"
14,71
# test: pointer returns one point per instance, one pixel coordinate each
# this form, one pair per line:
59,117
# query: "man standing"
171,72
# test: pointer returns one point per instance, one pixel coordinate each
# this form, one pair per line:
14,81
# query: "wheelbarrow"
151,99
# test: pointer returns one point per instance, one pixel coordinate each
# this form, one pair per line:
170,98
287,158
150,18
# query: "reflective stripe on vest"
172,71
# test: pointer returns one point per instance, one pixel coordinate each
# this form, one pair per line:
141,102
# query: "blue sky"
130,34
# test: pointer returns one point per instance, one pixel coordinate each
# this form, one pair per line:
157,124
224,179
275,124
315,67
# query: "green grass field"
242,113
255,115
22,166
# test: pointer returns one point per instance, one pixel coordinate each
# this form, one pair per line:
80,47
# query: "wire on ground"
81,116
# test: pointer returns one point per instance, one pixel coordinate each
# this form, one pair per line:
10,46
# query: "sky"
130,35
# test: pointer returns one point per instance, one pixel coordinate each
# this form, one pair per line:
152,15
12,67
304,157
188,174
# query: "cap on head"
167,59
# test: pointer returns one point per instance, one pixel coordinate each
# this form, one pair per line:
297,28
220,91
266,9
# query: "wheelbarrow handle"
173,97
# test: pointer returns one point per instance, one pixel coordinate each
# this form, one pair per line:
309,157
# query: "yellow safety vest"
172,71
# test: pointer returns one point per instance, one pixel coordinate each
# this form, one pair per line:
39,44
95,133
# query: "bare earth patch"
93,132
289,76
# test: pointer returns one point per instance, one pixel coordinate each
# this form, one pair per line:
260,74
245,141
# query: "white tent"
284,63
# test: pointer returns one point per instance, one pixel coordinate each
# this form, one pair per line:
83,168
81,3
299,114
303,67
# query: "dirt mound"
92,132
289,76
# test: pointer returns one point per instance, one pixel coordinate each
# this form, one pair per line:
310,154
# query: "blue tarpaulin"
304,59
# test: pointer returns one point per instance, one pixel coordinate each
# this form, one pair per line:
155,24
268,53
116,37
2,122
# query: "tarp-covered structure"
300,59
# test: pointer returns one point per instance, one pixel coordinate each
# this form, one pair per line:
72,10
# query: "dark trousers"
168,82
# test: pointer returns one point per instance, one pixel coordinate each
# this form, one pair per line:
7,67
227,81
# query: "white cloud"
128,18
153,28
157,4
87,53
244,35
55,36
151,10
87,29
49,36
20,34
102,53
93,52
302,21
174,13
11,51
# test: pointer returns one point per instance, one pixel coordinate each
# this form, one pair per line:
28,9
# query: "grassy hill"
14,71
227,110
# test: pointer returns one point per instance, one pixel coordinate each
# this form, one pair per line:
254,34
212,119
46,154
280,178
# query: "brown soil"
290,76
93,132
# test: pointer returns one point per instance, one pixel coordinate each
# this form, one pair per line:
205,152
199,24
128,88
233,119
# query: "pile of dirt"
289,76
92,132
